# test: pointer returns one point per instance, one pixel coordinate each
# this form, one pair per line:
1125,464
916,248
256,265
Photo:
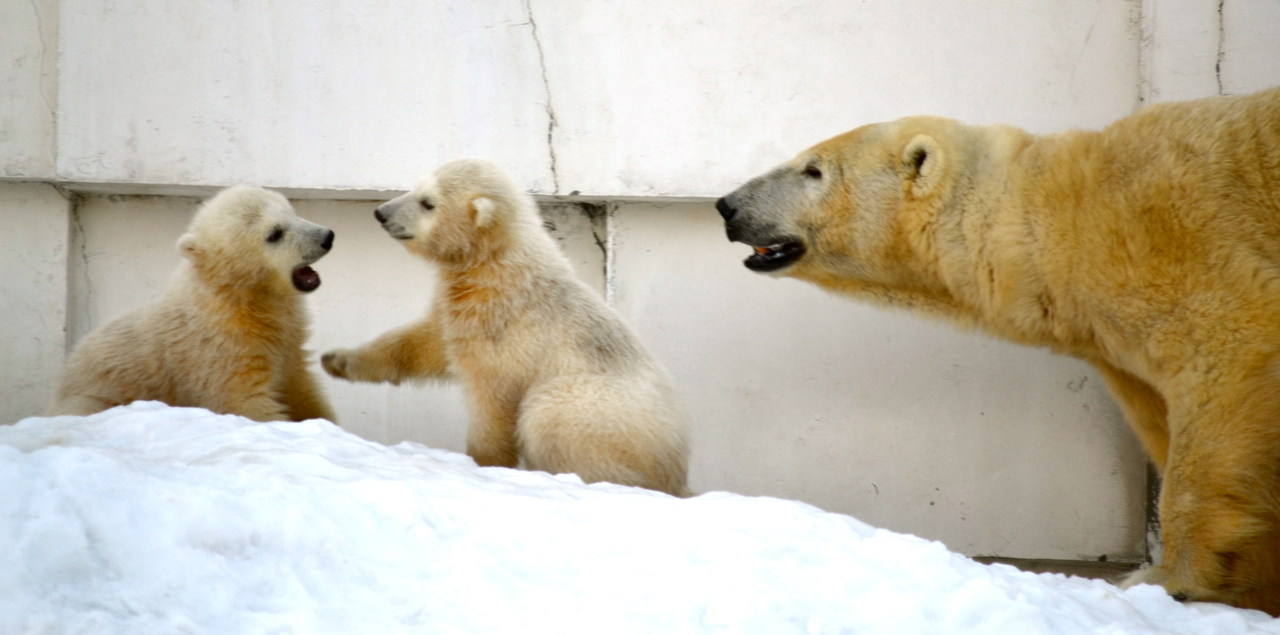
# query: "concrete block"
28,88
33,296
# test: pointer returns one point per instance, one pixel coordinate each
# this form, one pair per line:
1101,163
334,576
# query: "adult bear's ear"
482,210
189,247
921,163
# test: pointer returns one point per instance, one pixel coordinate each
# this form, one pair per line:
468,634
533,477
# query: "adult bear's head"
859,206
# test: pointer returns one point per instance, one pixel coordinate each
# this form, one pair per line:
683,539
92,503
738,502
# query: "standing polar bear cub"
1150,249
552,375
227,335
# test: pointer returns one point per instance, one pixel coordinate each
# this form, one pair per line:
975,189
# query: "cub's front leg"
415,351
301,394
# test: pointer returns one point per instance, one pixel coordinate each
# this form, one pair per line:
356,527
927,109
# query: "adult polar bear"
1150,249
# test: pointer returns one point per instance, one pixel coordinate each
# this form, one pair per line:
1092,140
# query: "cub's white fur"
227,335
553,376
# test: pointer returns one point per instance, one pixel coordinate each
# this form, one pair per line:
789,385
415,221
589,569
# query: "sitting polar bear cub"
227,335
552,375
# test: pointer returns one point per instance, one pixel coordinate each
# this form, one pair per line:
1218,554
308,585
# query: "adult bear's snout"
726,208
377,213
328,241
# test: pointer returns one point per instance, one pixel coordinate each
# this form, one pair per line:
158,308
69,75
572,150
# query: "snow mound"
150,519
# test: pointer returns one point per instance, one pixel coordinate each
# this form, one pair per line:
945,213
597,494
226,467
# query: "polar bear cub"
552,375
227,334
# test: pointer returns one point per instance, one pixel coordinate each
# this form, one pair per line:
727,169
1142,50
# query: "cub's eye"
812,172
426,204
275,235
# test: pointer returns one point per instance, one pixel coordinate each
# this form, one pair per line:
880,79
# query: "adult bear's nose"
726,209
328,241
377,213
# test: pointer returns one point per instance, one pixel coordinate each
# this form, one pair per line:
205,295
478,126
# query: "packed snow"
150,519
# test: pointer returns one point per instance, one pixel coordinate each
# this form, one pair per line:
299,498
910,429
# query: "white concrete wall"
653,98
28,87
995,449
1180,49
1198,48
1250,46
33,296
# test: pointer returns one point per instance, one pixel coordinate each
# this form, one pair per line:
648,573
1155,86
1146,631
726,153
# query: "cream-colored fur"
1150,249
553,376
227,335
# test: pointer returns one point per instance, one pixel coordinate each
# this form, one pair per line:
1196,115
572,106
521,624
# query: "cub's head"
250,237
849,207
465,211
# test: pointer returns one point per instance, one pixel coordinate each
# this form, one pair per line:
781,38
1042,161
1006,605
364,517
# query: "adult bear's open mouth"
775,256
305,279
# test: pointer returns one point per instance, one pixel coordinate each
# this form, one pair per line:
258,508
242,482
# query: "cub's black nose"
328,241
725,208
377,213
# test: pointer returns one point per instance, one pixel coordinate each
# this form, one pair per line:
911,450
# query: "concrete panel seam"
600,218
1145,43
1222,36
80,238
611,252
44,50
546,85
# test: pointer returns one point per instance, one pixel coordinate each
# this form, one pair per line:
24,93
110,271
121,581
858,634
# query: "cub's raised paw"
335,362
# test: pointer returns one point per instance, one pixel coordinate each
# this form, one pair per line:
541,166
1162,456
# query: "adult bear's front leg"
1144,409
1220,499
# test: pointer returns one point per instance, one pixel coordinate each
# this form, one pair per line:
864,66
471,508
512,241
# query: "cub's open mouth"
305,279
397,231
774,257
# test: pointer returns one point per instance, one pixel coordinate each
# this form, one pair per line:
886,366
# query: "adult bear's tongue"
305,279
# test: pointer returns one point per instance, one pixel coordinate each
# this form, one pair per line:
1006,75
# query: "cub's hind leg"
604,429
78,405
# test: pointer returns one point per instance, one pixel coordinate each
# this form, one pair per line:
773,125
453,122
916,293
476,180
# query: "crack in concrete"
44,50
610,254
1144,28
83,244
599,216
546,85
1222,49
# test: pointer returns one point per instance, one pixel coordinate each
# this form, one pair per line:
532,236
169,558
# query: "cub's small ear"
483,208
922,161
189,247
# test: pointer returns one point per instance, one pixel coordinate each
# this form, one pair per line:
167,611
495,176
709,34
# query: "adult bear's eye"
426,204
275,235
812,172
